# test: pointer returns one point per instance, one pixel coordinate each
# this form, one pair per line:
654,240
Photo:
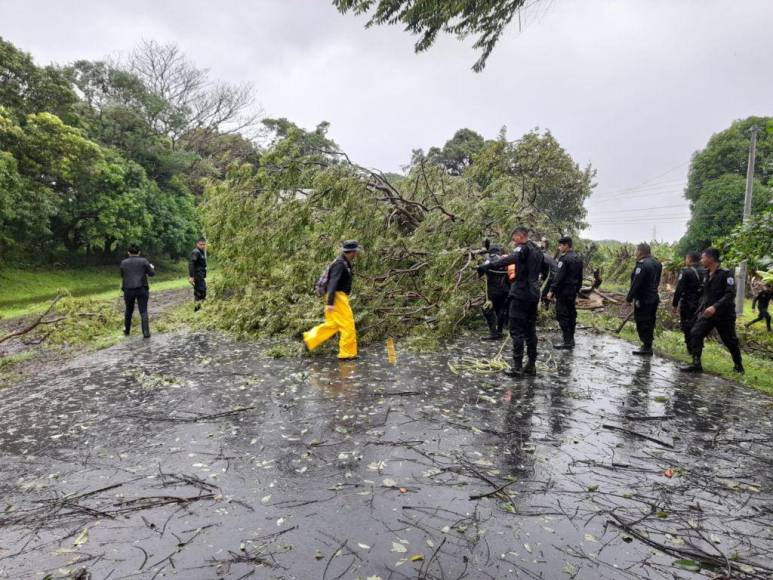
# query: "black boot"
694,367
145,327
531,368
739,369
491,337
516,371
566,344
126,330
645,350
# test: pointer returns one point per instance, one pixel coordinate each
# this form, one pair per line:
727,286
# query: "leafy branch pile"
274,227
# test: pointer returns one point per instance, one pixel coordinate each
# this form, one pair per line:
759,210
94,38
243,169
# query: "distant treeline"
95,155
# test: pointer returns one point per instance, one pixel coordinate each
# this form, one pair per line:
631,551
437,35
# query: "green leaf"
690,565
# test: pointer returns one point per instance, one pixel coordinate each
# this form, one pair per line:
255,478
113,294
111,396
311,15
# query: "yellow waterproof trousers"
341,320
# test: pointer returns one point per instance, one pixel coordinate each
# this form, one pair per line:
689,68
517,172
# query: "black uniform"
761,302
687,296
524,299
134,283
497,289
719,292
565,286
339,279
645,280
197,269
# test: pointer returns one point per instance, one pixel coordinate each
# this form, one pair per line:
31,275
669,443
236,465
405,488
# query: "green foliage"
428,18
717,183
458,152
752,241
274,228
94,173
719,210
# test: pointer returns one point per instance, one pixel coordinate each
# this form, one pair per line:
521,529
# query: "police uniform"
719,292
524,299
497,289
134,283
565,286
687,296
197,269
645,280
761,302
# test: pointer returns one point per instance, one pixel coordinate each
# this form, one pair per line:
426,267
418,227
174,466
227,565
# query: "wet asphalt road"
197,456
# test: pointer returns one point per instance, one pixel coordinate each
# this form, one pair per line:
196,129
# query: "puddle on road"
196,456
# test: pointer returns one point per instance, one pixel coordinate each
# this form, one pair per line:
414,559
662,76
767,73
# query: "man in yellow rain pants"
336,284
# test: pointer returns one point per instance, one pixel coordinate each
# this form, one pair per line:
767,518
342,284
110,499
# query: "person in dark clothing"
497,288
566,283
645,280
716,310
524,298
134,282
197,272
761,302
689,288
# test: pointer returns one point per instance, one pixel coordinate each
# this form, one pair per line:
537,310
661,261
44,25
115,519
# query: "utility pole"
747,211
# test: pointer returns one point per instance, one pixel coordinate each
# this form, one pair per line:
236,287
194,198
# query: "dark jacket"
719,292
340,279
568,275
197,266
689,287
645,280
134,273
496,280
530,264
762,300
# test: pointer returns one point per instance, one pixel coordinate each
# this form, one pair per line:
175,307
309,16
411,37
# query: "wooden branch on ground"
622,324
37,322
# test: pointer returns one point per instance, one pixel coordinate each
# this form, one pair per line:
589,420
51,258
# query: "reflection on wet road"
196,456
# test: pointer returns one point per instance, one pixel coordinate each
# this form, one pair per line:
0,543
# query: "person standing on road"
497,288
197,272
645,280
687,296
530,264
716,310
134,282
336,284
566,283
761,302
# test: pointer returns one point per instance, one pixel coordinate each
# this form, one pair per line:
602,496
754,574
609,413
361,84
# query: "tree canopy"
717,183
485,19
277,225
95,155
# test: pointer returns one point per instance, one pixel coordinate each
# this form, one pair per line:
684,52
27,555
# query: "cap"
351,246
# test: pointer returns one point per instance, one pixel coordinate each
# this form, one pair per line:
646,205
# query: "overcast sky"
632,87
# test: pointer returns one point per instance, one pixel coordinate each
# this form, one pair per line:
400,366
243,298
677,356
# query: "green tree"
485,19
719,210
458,152
422,234
548,179
26,88
752,241
717,183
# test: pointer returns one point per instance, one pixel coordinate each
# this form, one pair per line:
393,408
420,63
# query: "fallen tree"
274,227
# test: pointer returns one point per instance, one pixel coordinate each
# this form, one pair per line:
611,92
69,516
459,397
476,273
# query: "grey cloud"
631,87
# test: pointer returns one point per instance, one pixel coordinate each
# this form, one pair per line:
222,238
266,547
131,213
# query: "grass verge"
29,291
